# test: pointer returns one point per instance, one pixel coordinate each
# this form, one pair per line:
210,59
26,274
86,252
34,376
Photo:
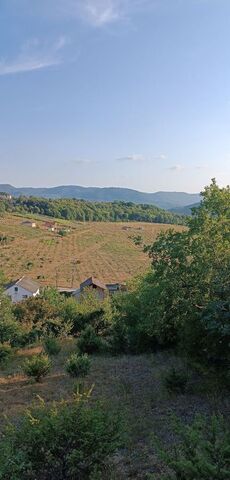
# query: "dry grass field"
104,250
132,383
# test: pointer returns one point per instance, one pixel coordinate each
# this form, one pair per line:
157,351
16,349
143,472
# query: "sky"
129,93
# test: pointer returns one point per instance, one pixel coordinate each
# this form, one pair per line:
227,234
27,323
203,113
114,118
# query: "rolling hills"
166,200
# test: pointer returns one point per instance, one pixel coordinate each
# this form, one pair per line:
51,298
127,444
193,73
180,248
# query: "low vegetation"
64,442
78,365
37,367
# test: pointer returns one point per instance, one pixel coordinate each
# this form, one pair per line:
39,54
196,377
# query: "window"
16,289
24,296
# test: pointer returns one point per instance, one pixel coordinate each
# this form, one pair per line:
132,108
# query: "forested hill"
82,210
165,200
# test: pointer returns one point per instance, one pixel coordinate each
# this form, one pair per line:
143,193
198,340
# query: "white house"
22,289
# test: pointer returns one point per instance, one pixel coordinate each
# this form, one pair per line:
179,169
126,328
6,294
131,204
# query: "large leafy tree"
185,298
191,278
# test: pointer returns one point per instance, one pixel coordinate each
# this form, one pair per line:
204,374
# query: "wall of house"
21,294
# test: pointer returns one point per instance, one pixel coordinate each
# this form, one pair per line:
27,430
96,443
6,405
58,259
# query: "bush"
176,380
89,341
5,353
203,451
52,346
10,330
78,365
64,442
37,367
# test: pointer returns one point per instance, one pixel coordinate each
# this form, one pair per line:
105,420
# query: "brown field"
132,383
104,250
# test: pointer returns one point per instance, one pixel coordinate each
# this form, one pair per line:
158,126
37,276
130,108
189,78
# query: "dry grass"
133,383
104,250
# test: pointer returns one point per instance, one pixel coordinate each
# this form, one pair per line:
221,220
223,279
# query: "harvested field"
105,250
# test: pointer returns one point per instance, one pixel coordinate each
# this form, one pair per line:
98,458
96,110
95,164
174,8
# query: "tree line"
81,210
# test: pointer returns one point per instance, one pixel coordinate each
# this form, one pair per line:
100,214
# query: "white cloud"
176,168
131,158
34,55
135,157
99,13
83,161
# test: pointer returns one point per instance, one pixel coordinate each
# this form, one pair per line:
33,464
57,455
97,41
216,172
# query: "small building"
101,289
51,226
22,289
115,288
29,223
66,291
94,284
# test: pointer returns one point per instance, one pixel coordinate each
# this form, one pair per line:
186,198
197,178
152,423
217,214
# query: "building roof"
28,222
26,283
50,224
93,281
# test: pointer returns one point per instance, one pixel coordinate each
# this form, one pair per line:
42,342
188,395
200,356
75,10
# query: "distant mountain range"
166,200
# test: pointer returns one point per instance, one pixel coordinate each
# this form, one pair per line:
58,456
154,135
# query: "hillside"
187,210
165,200
81,210
105,250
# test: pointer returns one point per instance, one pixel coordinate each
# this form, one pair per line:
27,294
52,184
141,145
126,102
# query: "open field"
134,383
104,250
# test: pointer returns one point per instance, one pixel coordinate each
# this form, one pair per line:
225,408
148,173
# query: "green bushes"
90,342
37,367
78,365
203,450
52,346
64,442
5,353
175,380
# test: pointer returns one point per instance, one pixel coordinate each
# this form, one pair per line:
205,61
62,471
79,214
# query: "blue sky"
132,93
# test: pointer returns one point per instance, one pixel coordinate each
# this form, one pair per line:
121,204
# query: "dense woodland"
182,303
82,210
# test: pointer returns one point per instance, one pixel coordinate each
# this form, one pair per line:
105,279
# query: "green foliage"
80,210
175,380
185,299
78,365
90,342
37,366
52,346
64,442
5,353
203,451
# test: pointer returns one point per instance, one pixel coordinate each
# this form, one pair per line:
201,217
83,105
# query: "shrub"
202,452
5,353
89,341
9,331
52,346
175,380
78,365
37,367
64,442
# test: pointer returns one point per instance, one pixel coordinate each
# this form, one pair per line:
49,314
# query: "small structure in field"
51,226
29,223
22,289
101,289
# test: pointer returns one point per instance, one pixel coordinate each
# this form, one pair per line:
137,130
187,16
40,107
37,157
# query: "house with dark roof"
94,284
101,289
22,289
